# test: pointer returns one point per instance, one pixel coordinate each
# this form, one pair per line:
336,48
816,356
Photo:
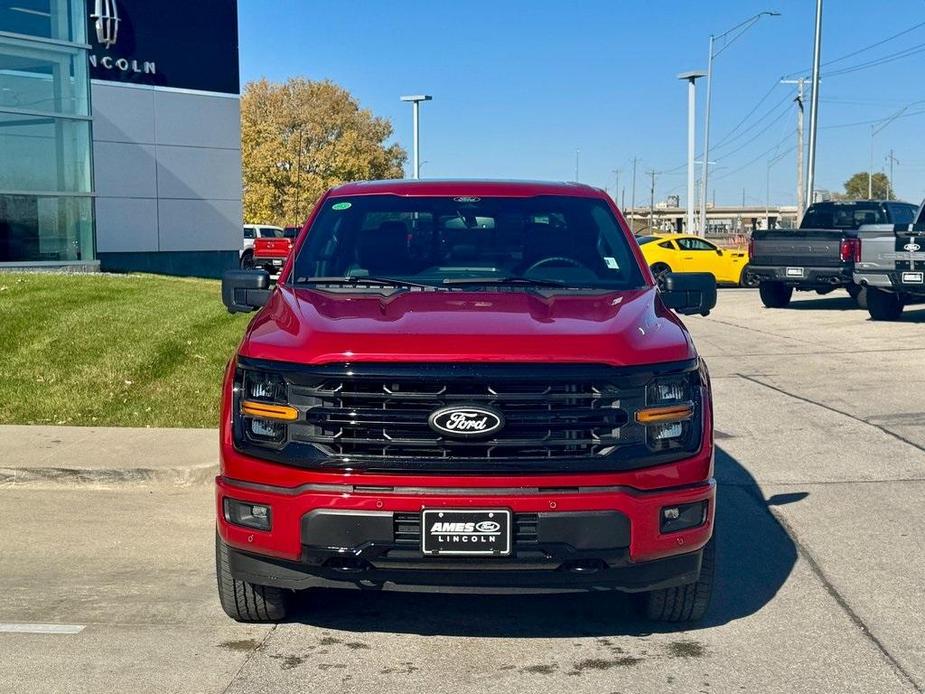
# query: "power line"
862,50
761,156
905,53
770,112
749,114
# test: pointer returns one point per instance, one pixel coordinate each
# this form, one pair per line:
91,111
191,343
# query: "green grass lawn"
113,350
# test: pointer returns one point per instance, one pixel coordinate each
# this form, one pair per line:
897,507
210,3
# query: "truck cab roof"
467,187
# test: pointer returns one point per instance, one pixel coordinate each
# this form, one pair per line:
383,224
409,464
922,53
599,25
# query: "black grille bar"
375,416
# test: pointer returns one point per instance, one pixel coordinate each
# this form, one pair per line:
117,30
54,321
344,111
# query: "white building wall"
167,170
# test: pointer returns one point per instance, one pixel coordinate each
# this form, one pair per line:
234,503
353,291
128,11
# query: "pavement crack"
832,409
840,600
765,332
256,649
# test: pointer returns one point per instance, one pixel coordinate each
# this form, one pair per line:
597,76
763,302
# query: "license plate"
794,272
913,278
469,532
277,263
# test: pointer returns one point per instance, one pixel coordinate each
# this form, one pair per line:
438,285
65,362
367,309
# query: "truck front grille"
376,417
387,417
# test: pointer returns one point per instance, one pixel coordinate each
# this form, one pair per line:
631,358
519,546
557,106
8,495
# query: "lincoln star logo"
463,421
106,21
912,247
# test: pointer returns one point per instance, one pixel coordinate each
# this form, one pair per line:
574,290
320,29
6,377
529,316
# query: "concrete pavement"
822,565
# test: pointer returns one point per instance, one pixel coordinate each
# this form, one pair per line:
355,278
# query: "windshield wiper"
358,281
513,281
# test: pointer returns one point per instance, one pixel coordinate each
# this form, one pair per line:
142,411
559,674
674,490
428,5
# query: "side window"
667,244
695,245
249,233
902,214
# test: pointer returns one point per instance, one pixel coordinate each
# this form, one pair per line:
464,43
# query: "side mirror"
689,293
719,251
244,291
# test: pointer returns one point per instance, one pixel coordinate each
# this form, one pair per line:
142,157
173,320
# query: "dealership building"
120,143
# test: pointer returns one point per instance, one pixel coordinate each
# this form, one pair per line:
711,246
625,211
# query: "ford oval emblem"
912,247
465,421
488,527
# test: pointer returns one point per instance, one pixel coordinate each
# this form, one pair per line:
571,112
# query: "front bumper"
588,538
811,278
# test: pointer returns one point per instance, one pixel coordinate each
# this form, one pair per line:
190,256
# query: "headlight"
671,411
262,411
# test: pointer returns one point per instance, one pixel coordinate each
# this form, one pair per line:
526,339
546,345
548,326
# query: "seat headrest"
385,249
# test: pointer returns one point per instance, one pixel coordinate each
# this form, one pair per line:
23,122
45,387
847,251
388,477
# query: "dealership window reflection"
49,19
46,206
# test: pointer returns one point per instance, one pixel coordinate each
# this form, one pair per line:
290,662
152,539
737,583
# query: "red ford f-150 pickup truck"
466,385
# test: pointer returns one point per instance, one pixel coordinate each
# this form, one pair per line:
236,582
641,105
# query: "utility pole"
691,78
416,116
801,191
726,41
298,180
633,204
874,129
616,184
814,108
577,159
652,173
889,187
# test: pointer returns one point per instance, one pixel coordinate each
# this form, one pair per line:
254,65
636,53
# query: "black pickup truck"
820,255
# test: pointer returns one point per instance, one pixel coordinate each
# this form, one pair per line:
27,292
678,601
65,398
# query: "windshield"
451,242
643,240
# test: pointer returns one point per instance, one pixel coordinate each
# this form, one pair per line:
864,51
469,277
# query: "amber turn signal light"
669,413
268,411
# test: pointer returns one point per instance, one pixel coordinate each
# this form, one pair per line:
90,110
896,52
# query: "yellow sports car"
687,253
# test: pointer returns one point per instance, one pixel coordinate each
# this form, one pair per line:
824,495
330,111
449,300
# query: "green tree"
856,187
301,137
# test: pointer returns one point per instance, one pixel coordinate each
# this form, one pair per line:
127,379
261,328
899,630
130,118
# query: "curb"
49,477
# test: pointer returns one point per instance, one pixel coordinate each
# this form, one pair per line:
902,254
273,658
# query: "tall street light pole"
416,109
727,38
814,107
691,78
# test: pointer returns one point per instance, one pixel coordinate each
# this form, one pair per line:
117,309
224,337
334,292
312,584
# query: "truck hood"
619,328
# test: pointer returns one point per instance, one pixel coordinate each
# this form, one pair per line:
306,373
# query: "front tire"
687,603
247,260
775,294
244,601
885,306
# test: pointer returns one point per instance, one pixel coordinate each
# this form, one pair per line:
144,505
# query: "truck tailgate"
801,247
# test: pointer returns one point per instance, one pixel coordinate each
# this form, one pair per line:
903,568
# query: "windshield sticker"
612,263
341,206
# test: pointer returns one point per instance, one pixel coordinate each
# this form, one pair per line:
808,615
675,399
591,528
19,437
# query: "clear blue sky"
519,86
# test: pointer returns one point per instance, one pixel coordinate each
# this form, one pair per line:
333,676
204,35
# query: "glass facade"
46,183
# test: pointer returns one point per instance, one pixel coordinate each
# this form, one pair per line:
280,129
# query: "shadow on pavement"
755,558
807,301
913,314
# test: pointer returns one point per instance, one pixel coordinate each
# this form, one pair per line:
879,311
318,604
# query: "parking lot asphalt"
820,417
